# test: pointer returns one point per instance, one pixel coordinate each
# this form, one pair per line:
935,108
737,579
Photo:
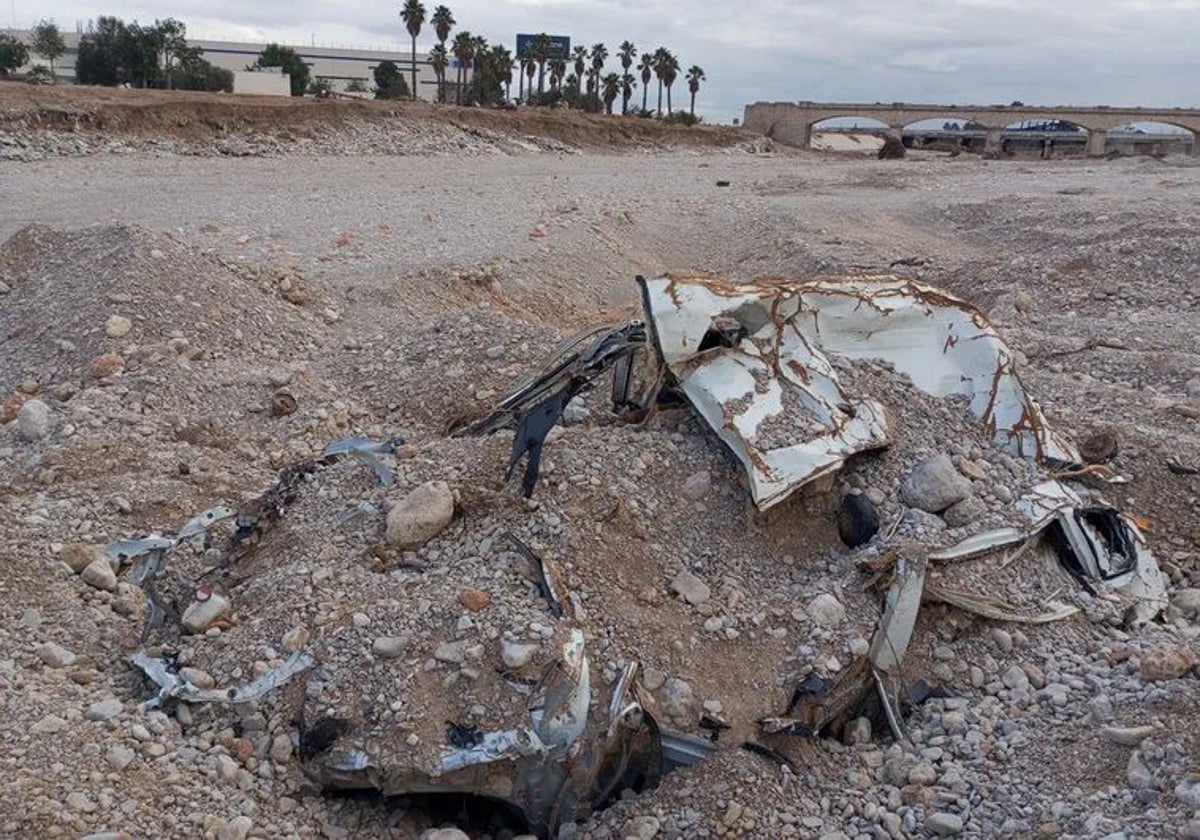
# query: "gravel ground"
390,295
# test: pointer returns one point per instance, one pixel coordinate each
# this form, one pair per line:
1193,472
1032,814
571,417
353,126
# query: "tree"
440,61
48,42
628,83
598,56
530,72
558,69
646,68
611,86
13,54
442,22
290,62
461,50
99,59
627,51
695,75
389,81
170,39
541,52
413,15
670,71
502,61
579,55
194,73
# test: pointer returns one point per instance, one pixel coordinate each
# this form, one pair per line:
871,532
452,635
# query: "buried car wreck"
516,653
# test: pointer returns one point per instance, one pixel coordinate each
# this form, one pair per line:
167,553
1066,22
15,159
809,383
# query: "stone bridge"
792,122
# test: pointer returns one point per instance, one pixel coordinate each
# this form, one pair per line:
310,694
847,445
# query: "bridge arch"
1050,136
945,132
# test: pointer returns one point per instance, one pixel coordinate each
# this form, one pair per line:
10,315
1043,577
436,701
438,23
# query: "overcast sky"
1083,52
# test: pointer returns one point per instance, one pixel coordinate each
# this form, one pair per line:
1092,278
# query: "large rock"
81,555
942,824
1165,663
934,485
964,512
826,610
55,655
33,420
99,575
117,326
1187,601
421,515
678,698
690,588
200,615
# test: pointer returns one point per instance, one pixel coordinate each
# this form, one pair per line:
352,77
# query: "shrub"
13,54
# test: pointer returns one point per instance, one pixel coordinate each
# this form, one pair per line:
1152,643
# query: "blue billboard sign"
560,45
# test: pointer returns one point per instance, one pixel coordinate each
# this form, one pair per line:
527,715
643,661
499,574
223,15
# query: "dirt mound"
143,299
240,125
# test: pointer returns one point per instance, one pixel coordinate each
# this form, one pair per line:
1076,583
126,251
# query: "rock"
1137,774
690,588
106,365
281,749
49,725
99,575
934,485
452,653
55,656
677,699
78,801
11,407
237,828
697,485
1101,709
923,774
1187,791
496,351
103,710
963,513
1002,639
444,834
653,678
475,600
81,555
296,639
1023,301
421,515
971,469
515,654
201,679
641,828
857,520
1166,663
389,647
1127,736
1015,678
857,731
1099,447
826,610
33,420
119,756
202,614
942,824
117,326
1187,601
733,813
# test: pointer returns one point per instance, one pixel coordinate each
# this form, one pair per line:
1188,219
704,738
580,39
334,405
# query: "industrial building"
340,66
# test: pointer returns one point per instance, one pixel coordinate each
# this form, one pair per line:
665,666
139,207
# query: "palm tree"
627,51
478,54
611,86
660,63
503,61
461,49
646,68
695,75
558,69
670,71
440,61
522,63
541,50
531,71
599,56
579,54
442,22
413,15
628,83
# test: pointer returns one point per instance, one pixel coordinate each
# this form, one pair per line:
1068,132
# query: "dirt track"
418,289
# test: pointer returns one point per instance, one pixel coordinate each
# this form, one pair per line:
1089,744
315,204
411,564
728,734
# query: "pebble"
1137,774
1166,663
80,555
690,588
943,824
641,828
934,485
826,610
119,756
697,485
117,326
102,710
389,647
677,700
55,655
33,420
421,515
1127,736
515,654
99,575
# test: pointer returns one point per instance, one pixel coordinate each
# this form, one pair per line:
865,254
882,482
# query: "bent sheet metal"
754,361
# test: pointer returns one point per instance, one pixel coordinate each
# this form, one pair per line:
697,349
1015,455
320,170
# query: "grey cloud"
954,51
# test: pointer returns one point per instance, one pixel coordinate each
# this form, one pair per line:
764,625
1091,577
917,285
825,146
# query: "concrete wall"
262,83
